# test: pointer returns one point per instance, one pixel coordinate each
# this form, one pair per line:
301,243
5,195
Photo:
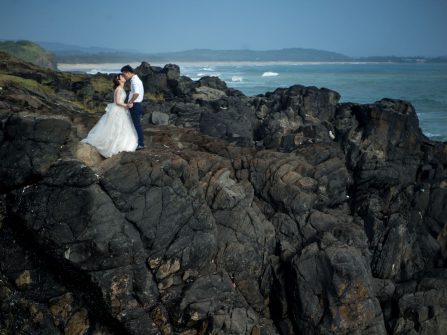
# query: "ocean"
422,84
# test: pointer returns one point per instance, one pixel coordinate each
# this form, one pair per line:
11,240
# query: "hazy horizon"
402,28
217,50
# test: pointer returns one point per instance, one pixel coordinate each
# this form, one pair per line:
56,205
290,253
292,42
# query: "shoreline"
258,81
87,66
81,66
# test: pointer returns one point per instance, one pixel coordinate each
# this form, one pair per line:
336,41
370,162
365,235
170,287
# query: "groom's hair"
127,68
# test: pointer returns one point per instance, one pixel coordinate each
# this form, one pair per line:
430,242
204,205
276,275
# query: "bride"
115,131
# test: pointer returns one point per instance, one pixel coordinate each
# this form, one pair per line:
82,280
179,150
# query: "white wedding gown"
115,131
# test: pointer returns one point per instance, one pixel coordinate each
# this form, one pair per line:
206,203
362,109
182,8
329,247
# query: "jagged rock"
207,93
284,213
213,82
43,304
331,291
186,114
295,116
30,144
421,307
184,87
386,149
172,71
384,289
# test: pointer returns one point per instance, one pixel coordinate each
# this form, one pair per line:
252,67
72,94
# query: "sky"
355,28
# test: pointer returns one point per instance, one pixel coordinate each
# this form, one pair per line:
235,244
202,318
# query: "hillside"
29,52
72,54
293,54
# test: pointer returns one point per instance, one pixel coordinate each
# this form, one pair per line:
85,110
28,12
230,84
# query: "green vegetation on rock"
29,84
86,92
30,52
101,84
154,96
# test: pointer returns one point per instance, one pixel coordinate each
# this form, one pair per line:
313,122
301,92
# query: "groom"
134,101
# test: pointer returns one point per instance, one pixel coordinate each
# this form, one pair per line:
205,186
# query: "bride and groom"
119,129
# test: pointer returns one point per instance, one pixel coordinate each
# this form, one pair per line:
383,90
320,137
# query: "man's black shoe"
140,147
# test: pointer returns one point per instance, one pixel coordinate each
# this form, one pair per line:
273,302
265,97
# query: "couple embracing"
119,129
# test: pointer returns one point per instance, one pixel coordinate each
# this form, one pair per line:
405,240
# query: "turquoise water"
424,85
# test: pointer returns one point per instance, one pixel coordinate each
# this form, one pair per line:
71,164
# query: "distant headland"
48,54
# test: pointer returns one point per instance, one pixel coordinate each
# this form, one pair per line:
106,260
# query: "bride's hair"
116,81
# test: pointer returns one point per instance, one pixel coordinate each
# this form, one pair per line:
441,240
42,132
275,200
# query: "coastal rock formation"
30,52
284,213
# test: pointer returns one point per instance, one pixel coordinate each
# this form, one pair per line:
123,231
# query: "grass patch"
154,97
101,85
72,77
84,105
29,84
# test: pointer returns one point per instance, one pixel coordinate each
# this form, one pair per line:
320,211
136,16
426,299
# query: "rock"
31,144
213,82
61,308
295,116
172,71
227,119
283,213
159,118
43,304
387,150
186,114
422,310
344,294
78,323
209,296
185,86
23,280
88,154
207,93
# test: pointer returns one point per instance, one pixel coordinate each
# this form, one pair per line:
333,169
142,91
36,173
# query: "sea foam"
211,74
270,74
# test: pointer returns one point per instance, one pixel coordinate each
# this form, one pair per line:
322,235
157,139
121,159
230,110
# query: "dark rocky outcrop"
284,213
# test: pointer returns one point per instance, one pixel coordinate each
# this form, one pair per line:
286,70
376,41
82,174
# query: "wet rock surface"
284,213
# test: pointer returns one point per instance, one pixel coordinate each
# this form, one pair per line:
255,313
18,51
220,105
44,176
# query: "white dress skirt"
115,131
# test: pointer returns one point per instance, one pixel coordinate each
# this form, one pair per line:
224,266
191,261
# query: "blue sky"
351,27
